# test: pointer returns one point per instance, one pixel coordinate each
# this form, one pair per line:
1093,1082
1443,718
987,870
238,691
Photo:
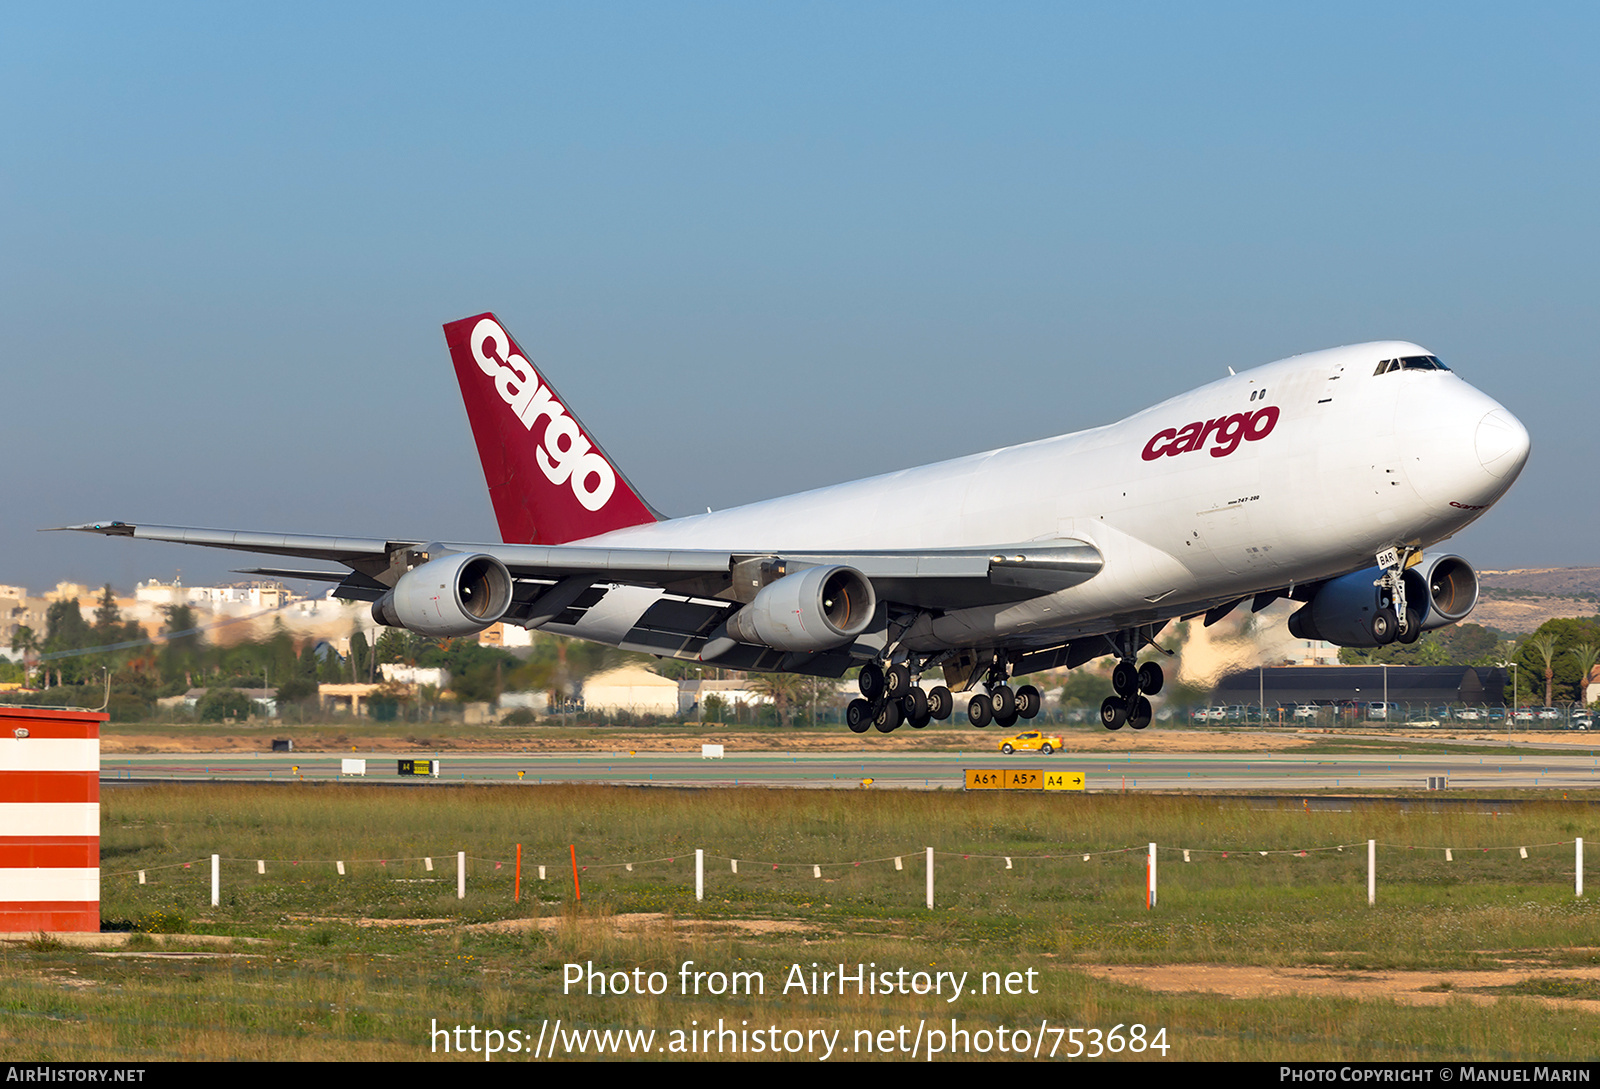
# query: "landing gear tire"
1385,626
870,681
940,703
1411,631
1151,678
858,716
1005,722
1113,713
914,706
1139,713
1124,679
980,712
1028,701
889,717
897,680
1005,702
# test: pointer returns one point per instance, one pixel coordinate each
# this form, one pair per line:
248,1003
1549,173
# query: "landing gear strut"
891,698
1133,684
1397,620
1003,705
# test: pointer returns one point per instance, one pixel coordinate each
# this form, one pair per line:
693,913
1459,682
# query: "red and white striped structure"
49,820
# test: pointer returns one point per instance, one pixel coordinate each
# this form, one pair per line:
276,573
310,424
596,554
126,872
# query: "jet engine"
1354,611
815,609
457,594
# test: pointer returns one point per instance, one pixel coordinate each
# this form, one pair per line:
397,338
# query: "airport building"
1330,685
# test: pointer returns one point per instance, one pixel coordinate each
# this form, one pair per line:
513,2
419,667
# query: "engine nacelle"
818,608
1349,611
1448,584
457,594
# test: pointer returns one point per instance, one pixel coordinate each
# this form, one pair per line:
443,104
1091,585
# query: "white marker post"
461,875
930,878
216,880
1150,890
1578,859
1372,872
699,874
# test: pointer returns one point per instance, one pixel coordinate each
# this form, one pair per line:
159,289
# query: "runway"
1228,772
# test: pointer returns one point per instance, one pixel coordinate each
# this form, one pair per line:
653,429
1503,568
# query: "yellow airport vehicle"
1031,741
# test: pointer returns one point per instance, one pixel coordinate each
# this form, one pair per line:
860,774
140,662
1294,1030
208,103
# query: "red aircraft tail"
550,482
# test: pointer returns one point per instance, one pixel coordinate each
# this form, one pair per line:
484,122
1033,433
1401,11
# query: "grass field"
293,963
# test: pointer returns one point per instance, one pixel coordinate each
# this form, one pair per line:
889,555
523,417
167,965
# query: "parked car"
1306,710
1380,710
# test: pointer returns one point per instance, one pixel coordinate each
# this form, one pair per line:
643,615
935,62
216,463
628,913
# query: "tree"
1586,654
1544,647
26,643
360,658
1562,667
219,704
108,618
181,656
785,690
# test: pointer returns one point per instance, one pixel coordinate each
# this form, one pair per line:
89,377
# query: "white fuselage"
1326,464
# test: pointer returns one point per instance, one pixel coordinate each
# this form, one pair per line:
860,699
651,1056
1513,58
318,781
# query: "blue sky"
758,248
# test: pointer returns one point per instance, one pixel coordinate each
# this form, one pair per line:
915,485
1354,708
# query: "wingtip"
110,529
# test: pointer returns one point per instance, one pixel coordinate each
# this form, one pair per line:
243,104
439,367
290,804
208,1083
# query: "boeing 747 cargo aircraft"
1325,479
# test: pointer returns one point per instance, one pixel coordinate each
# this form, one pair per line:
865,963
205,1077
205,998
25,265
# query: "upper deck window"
1411,363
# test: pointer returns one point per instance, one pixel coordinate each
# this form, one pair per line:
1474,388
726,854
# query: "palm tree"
1587,654
1545,647
783,689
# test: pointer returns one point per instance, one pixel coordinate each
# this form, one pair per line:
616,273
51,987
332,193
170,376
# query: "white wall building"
631,688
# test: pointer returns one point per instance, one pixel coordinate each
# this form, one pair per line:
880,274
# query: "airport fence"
512,876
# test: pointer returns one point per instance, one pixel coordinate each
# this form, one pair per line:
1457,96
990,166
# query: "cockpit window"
1411,363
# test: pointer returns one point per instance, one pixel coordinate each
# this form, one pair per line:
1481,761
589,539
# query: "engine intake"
818,608
458,594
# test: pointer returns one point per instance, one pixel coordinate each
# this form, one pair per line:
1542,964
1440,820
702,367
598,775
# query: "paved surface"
1168,771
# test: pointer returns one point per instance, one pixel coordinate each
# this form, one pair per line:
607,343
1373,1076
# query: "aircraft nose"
1502,444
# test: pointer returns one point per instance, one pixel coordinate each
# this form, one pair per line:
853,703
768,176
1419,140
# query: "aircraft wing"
929,578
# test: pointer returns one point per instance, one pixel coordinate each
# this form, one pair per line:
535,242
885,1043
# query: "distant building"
238,597
1315,652
692,694
66,591
631,688
1365,684
18,610
396,673
505,635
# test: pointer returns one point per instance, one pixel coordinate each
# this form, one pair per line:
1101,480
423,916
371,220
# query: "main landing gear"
1131,704
1003,705
892,698
1133,685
